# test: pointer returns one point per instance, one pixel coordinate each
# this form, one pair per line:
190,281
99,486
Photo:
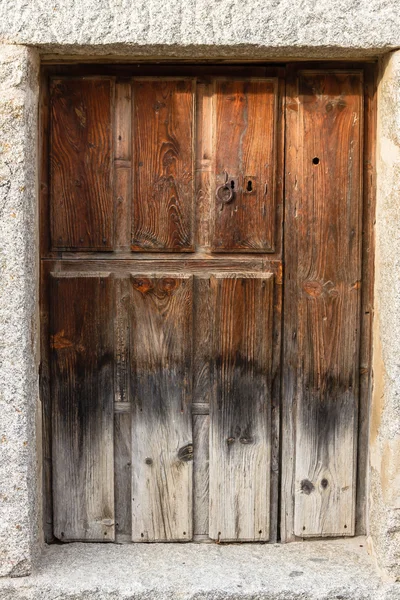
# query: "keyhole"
232,185
249,186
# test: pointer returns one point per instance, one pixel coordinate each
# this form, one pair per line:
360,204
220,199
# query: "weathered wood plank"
204,163
240,445
201,428
163,122
367,296
323,272
121,339
123,164
289,341
162,445
245,150
201,266
81,149
46,402
82,413
202,358
123,466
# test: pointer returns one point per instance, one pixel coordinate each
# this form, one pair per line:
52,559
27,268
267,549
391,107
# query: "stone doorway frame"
21,536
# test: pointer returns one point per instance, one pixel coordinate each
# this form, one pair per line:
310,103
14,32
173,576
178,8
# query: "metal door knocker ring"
225,186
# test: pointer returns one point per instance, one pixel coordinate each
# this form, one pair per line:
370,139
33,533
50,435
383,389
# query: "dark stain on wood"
161,366
81,385
161,360
323,228
240,407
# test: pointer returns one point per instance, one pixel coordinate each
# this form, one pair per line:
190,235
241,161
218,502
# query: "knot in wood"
186,453
306,487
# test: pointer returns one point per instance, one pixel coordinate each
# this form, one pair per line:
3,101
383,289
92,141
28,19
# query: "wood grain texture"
203,313
123,164
323,229
81,149
163,122
240,445
121,318
123,476
204,163
82,416
367,295
201,429
46,402
245,148
162,444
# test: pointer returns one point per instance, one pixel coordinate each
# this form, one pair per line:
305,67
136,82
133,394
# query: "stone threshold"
317,570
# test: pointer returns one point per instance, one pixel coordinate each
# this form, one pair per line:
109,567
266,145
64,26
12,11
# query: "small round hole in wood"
315,160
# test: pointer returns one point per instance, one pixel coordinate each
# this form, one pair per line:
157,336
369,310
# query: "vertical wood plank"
122,420
276,361
81,196
323,272
82,416
201,428
203,314
204,163
45,397
121,339
203,310
367,295
240,445
162,445
245,149
290,341
123,466
123,163
163,123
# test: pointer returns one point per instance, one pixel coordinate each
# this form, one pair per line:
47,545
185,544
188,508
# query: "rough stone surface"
18,305
301,571
200,28
384,515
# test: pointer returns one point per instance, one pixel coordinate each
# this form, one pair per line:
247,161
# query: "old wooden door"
162,302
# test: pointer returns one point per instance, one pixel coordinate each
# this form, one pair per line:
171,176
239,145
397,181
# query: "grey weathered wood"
202,359
201,427
240,445
121,340
162,445
123,466
82,413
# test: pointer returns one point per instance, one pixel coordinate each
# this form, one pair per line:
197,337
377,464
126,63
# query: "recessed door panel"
81,154
163,143
245,114
162,444
82,413
240,410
